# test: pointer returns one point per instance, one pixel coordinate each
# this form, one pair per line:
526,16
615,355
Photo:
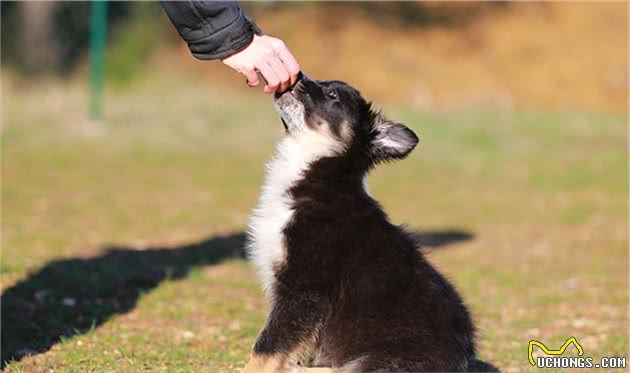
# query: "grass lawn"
121,240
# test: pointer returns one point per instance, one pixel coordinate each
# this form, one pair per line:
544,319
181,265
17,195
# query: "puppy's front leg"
291,330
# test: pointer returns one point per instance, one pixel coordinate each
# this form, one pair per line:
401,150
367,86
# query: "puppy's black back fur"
382,295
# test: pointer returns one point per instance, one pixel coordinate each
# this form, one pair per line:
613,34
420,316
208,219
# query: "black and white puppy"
349,290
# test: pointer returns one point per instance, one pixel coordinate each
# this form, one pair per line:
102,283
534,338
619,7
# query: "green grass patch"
122,240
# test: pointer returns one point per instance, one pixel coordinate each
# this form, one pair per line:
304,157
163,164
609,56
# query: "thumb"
251,76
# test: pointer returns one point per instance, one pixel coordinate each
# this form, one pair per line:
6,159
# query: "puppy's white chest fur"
267,244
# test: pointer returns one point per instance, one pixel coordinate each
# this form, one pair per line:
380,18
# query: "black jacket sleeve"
212,29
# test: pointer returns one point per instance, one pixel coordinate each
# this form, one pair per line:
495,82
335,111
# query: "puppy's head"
333,115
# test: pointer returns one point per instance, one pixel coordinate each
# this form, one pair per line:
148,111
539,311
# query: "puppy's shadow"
71,296
67,297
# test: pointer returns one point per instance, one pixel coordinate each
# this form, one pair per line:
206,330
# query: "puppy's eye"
331,94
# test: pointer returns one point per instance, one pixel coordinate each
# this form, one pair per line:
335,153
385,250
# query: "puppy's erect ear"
391,140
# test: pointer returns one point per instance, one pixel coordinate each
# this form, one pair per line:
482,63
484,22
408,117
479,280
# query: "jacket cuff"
236,37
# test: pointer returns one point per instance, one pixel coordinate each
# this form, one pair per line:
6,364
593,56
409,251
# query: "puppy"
348,289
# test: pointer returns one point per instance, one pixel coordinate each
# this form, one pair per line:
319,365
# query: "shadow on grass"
71,296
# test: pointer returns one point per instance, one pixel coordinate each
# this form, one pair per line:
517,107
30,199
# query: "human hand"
270,57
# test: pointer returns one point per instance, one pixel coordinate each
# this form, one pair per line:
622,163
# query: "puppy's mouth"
288,93
290,106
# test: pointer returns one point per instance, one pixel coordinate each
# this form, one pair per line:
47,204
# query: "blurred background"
432,55
124,210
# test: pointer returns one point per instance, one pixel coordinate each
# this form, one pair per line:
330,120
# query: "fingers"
283,63
290,63
251,76
273,82
270,57
281,72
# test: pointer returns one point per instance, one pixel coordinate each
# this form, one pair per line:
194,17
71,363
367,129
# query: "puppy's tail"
481,366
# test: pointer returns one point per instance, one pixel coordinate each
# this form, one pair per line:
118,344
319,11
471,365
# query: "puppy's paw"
312,370
264,364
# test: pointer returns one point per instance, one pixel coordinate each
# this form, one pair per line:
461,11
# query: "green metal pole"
98,36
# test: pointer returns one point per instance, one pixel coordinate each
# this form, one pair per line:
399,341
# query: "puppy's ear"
391,140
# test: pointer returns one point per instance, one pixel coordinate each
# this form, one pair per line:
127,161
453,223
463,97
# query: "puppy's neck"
294,155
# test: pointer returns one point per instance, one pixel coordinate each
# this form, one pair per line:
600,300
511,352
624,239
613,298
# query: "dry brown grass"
558,55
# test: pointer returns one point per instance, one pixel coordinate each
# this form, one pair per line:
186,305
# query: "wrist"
246,44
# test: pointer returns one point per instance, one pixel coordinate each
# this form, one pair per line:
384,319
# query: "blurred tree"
49,36
37,29
9,23
134,39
